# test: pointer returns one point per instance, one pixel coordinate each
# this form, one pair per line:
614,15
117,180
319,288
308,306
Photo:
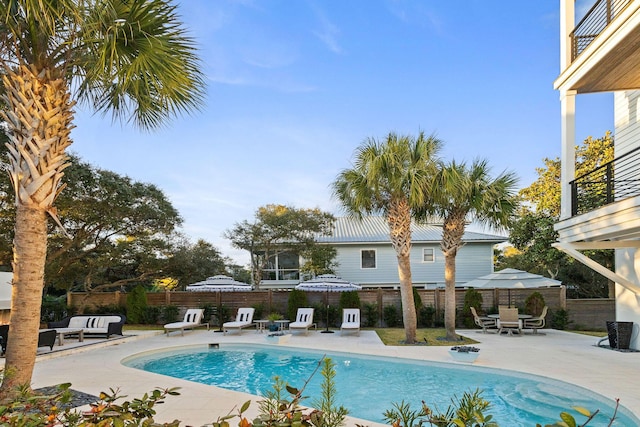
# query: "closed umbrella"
327,283
510,278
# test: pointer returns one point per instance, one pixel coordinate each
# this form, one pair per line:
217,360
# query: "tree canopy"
532,233
278,229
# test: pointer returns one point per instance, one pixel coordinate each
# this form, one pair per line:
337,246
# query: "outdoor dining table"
520,316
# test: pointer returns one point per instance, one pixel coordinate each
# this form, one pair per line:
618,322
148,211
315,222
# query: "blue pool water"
369,385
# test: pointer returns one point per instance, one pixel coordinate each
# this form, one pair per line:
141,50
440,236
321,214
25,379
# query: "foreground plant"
467,411
29,409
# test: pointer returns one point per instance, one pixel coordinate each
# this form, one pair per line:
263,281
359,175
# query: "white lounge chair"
483,322
244,319
192,319
350,320
304,320
508,321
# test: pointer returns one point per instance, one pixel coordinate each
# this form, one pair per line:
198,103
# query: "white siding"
473,260
627,121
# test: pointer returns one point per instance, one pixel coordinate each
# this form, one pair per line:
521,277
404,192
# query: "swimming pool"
368,385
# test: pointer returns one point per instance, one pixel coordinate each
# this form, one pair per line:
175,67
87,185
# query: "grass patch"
433,337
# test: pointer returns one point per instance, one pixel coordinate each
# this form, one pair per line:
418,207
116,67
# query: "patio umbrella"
327,283
219,283
510,278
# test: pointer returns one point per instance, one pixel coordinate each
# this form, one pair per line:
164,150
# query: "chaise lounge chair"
483,322
192,319
304,320
244,319
350,320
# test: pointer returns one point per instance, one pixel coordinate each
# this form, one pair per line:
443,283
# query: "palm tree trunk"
453,230
450,296
30,250
399,220
39,120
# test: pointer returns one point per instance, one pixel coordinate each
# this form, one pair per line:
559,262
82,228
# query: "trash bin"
619,334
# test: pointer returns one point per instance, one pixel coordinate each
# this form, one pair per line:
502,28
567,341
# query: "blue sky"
293,87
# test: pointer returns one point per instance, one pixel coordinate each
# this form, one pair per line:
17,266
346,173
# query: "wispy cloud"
328,32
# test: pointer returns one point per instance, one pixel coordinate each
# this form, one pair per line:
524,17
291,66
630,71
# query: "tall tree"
131,58
278,229
391,177
532,233
459,194
190,263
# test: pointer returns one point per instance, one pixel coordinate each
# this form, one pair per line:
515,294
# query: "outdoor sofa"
92,324
46,338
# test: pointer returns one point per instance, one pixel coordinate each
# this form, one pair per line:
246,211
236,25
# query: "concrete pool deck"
560,355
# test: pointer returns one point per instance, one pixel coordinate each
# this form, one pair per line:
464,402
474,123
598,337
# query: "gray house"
365,256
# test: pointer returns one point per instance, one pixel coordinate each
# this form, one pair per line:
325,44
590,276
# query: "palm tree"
131,58
391,177
460,194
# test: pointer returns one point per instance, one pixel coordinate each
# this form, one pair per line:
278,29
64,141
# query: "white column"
568,150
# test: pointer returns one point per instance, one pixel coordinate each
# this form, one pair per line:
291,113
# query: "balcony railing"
614,181
593,23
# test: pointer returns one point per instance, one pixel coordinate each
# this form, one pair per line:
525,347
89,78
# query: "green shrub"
349,299
417,300
534,304
223,314
170,313
109,309
391,316
370,315
320,315
560,319
151,315
54,308
297,299
426,317
136,305
260,310
472,298
209,311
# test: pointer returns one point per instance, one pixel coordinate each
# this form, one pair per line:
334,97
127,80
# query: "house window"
368,258
282,266
428,255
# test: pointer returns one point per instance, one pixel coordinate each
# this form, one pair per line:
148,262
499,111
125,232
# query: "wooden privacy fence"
277,300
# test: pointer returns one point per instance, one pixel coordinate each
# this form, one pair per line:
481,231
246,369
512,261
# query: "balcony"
605,203
614,181
604,50
593,23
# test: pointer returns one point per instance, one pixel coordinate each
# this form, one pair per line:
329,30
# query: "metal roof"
374,229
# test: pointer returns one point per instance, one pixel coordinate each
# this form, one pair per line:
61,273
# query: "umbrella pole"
327,331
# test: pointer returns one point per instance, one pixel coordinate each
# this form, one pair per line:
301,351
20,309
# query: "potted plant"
463,353
272,317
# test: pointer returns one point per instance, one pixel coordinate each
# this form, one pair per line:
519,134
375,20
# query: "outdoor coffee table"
62,332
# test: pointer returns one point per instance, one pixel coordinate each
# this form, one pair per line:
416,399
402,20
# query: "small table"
62,332
260,325
281,324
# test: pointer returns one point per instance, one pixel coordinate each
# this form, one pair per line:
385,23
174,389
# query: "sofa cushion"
78,322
